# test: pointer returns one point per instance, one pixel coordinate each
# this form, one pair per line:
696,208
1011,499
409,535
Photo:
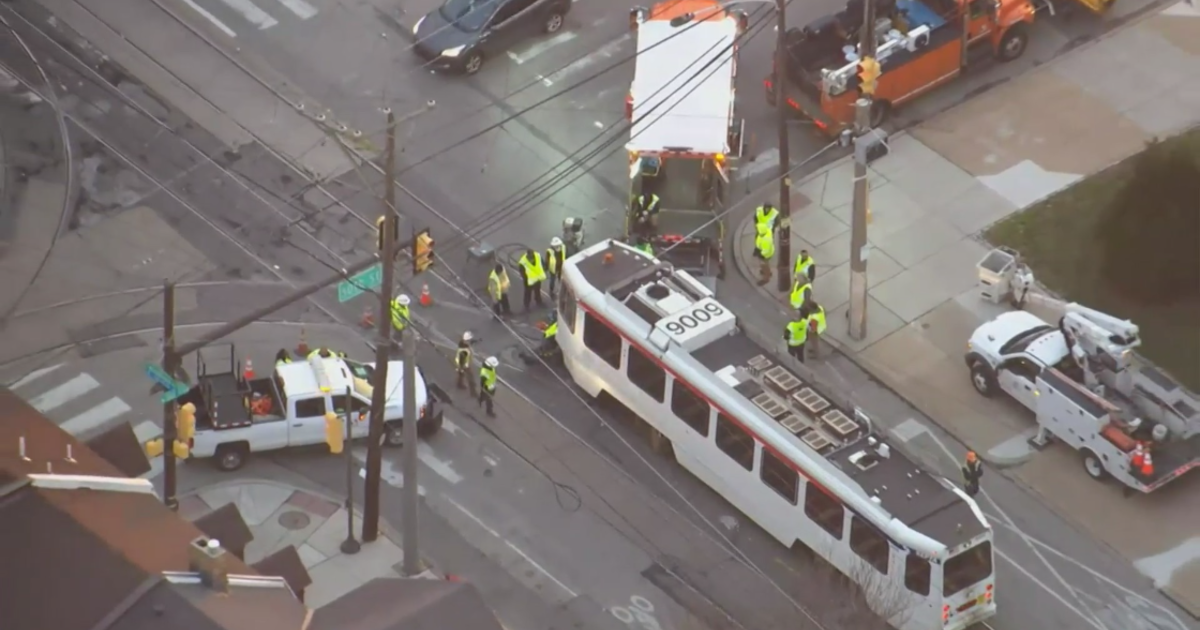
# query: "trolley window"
917,574
967,569
735,442
869,543
824,510
566,306
779,476
602,340
692,409
646,374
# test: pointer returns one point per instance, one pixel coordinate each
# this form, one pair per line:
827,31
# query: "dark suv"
460,34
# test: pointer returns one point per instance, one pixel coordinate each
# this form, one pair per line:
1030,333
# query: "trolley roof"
795,411
689,70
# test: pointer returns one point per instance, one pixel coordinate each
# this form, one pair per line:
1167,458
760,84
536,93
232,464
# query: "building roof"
120,447
286,563
683,86
45,445
226,525
407,604
174,605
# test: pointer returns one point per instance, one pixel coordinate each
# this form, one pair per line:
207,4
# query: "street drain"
294,520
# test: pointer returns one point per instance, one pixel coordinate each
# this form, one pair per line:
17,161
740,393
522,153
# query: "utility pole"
859,250
785,158
379,394
170,365
412,554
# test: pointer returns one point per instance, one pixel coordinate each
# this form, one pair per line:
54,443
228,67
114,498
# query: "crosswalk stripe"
70,390
33,376
210,17
95,417
251,12
302,9
146,430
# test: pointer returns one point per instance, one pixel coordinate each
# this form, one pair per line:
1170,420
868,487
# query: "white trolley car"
807,471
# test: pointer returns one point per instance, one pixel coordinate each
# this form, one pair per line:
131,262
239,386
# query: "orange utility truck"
920,44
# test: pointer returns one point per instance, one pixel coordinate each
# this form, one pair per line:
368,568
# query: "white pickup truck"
236,416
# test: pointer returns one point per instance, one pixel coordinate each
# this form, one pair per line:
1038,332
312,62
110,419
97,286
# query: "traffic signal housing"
181,449
422,251
334,433
379,232
154,448
185,422
868,75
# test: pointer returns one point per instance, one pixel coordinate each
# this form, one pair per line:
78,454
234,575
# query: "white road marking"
453,428
95,417
604,52
391,476
909,429
33,376
252,13
511,546
444,469
210,17
302,9
541,47
146,430
599,125
68,391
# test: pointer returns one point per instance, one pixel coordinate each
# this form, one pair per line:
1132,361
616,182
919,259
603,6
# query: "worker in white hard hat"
400,316
487,384
555,257
462,363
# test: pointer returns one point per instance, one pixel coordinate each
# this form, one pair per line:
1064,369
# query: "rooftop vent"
207,558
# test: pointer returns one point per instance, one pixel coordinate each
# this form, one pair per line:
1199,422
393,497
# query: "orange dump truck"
920,44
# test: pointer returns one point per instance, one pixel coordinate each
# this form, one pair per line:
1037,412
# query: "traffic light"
379,231
154,448
185,422
181,450
422,251
868,75
334,433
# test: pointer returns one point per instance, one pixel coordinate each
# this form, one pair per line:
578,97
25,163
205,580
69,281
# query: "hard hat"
467,336
403,300
556,242
492,362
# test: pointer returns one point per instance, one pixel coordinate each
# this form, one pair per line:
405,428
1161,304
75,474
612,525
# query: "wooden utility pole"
859,250
170,365
379,395
785,158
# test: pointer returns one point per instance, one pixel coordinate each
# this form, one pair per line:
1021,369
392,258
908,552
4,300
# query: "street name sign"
368,279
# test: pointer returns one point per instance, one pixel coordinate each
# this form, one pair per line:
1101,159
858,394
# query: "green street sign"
366,280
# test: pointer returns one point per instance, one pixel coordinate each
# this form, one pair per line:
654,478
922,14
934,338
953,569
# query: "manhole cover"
294,520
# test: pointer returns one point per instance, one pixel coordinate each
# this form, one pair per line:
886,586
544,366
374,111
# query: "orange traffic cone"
426,299
368,318
1148,467
248,371
302,347
1138,458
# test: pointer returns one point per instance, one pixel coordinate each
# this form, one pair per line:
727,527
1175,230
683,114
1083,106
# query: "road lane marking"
453,428
210,17
444,469
95,417
524,556
252,13
33,376
541,47
64,393
302,9
604,52
388,472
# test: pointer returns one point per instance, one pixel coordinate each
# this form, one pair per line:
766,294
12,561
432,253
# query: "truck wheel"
230,457
393,435
1093,466
429,427
879,113
983,378
1013,44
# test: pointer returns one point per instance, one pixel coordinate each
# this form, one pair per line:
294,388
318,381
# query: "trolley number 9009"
693,319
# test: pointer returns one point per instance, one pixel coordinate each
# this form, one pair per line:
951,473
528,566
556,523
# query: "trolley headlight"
453,52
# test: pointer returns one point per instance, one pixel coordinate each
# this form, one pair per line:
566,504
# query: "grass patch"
1070,241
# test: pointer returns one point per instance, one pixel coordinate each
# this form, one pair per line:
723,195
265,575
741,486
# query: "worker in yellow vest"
533,274
801,292
283,357
462,363
498,290
816,325
765,216
796,335
805,268
555,257
400,314
764,250
645,214
487,384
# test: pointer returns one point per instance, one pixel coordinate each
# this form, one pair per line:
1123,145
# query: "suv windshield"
468,15
967,569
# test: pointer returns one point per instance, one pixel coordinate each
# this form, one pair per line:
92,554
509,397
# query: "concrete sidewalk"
944,182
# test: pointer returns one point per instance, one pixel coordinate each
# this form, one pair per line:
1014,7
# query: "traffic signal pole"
859,216
379,394
170,365
785,158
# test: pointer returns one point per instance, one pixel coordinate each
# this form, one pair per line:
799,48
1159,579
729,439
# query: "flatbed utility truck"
237,416
1080,381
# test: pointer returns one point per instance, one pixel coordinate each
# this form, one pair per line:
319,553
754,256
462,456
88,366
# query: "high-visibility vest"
802,265
282,362
819,319
800,289
462,357
399,315
647,248
765,243
497,284
317,353
554,259
647,208
534,273
550,330
765,218
488,378
797,332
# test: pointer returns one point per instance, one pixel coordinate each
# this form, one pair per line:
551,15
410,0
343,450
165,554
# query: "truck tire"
983,378
1014,43
429,427
879,113
1093,466
393,435
232,456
